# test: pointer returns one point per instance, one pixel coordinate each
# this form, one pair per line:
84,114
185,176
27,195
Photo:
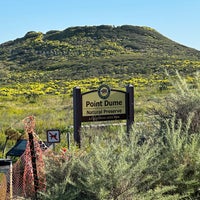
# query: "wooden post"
130,108
77,104
34,166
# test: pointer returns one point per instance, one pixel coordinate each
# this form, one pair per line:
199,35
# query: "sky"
176,19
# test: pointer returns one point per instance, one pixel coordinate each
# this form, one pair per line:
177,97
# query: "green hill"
90,51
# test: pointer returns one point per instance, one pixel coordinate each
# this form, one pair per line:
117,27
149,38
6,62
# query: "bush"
178,117
114,167
179,161
184,104
108,170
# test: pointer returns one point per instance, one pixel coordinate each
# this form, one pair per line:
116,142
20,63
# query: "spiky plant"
183,103
179,119
112,168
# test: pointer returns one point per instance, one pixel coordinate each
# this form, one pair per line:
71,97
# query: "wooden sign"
102,104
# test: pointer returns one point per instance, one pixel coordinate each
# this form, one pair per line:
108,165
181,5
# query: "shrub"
184,104
179,161
110,169
178,117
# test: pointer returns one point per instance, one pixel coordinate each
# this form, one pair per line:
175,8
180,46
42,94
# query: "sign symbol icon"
104,91
53,136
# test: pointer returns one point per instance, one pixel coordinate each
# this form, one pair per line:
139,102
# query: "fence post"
34,166
11,181
68,140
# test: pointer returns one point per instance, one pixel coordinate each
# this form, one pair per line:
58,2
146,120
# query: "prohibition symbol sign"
53,136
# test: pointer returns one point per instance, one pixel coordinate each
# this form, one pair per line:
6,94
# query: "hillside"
90,51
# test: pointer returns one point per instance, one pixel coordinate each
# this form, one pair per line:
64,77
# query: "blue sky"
175,19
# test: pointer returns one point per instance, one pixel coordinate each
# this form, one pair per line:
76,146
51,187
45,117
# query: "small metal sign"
53,136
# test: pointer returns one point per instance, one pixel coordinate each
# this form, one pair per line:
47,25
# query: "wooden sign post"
130,108
104,104
77,104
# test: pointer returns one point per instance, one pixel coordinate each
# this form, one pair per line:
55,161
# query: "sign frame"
79,115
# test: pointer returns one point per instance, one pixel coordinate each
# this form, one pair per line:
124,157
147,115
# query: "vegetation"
92,51
160,159
146,165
